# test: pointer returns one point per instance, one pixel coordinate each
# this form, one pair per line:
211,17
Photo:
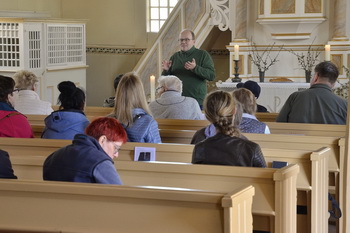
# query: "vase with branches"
308,61
263,59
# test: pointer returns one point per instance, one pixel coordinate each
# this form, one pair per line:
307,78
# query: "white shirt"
28,102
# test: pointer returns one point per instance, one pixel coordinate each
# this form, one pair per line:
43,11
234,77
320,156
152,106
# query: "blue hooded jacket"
83,161
65,124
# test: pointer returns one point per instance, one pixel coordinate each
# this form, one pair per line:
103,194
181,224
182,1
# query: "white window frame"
153,19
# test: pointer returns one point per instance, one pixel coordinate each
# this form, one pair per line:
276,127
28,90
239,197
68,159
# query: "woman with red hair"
90,158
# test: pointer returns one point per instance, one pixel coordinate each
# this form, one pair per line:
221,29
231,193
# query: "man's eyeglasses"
184,40
16,90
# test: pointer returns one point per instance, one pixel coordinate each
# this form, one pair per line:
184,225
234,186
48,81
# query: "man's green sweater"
194,81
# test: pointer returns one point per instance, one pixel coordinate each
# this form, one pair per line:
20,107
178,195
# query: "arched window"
158,12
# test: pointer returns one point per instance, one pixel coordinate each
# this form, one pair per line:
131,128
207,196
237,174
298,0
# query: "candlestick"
327,55
236,52
236,79
152,87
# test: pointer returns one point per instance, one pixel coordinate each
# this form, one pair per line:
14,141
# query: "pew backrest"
73,207
307,129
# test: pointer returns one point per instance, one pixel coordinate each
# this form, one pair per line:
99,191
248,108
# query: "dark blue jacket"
5,166
77,162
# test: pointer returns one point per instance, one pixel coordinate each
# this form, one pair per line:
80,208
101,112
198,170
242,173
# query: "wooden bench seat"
307,129
308,181
93,110
266,116
272,186
37,123
77,207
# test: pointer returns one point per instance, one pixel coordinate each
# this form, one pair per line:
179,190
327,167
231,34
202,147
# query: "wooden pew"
307,129
37,122
266,116
103,111
274,205
93,110
78,207
306,182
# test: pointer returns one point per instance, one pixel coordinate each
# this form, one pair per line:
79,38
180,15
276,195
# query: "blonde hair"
220,108
25,80
170,82
129,95
247,99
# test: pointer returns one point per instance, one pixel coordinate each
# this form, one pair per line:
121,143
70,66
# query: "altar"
273,95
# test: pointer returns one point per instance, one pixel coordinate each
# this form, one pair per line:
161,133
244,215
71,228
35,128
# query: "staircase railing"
191,14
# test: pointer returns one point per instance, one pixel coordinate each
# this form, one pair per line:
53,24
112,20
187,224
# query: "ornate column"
340,20
240,32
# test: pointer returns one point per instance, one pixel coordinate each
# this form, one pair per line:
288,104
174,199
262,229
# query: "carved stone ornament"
220,13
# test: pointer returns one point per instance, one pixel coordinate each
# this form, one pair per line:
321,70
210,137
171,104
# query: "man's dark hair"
327,70
116,80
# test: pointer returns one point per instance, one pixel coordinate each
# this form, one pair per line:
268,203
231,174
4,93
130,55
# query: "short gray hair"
170,82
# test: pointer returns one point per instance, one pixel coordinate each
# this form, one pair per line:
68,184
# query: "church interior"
109,38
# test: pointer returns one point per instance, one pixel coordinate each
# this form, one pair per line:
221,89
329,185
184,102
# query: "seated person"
249,123
132,111
318,104
210,130
170,104
111,100
70,119
255,89
228,146
90,158
28,101
12,123
6,171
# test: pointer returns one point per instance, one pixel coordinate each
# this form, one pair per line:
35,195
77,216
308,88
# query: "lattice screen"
34,40
65,44
9,45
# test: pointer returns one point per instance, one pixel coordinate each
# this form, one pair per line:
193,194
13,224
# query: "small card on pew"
145,154
279,164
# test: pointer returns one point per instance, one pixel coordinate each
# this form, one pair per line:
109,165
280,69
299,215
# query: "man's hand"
190,65
166,65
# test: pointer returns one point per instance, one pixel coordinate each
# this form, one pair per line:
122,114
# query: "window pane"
163,13
172,3
161,23
154,26
155,3
154,13
170,10
163,3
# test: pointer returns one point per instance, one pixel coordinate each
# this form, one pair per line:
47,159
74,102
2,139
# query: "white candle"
236,52
152,80
327,55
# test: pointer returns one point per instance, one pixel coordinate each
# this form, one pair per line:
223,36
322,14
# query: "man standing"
318,105
193,66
